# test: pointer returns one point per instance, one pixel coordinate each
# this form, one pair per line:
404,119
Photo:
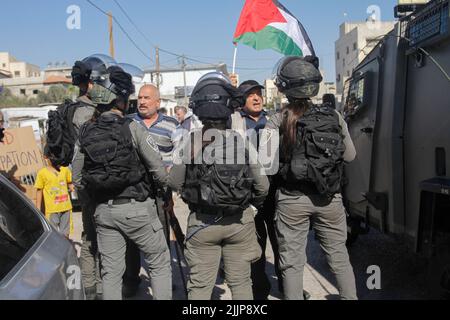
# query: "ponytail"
291,114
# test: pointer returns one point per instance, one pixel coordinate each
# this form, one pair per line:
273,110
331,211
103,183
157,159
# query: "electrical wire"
132,22
179,56
123,30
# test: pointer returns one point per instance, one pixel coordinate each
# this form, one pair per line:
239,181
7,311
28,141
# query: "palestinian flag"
267,24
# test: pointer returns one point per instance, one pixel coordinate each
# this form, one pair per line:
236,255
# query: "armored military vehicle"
398,111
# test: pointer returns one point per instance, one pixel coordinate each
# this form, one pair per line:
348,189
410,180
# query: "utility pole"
183,65
158,68
111,36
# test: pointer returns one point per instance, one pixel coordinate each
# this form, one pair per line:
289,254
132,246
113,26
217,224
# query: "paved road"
403,274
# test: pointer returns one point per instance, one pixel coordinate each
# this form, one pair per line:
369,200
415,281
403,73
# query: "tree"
56,94
42,98
7,99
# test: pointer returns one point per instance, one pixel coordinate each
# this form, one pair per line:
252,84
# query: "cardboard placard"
20,152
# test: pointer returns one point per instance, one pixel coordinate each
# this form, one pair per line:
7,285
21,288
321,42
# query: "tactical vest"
112,168
212,187
317,162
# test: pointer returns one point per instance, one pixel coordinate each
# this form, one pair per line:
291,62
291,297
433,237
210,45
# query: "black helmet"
98,64
111,79
298,77
114,83
214,97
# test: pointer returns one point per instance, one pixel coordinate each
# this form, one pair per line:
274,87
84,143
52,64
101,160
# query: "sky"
36,31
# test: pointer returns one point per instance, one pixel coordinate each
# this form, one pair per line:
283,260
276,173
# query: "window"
338,78
16,73
355,46
357,97
20,228
35,91
338,55
4,65
348,73
23,91
348,50
343,62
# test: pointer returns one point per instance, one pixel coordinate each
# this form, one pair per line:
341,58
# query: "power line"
123,30
179,56
134,24
146,38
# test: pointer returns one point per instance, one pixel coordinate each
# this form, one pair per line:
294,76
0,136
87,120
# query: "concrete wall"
271,91
24,87
58,72
24,70
356,41
5,60
17,68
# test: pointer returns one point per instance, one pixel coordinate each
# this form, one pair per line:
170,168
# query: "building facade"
26,80
356,41
17,69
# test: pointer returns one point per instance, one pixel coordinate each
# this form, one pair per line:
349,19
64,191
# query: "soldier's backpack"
112,167
61,133
317,157
218,186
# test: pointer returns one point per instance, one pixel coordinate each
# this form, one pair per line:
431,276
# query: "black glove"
2,135
81,73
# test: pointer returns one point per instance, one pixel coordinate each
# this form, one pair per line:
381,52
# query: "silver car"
36,262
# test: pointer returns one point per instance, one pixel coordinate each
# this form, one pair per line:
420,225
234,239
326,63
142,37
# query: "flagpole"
234,58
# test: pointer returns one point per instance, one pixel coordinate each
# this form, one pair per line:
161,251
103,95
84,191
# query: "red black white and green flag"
267,24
